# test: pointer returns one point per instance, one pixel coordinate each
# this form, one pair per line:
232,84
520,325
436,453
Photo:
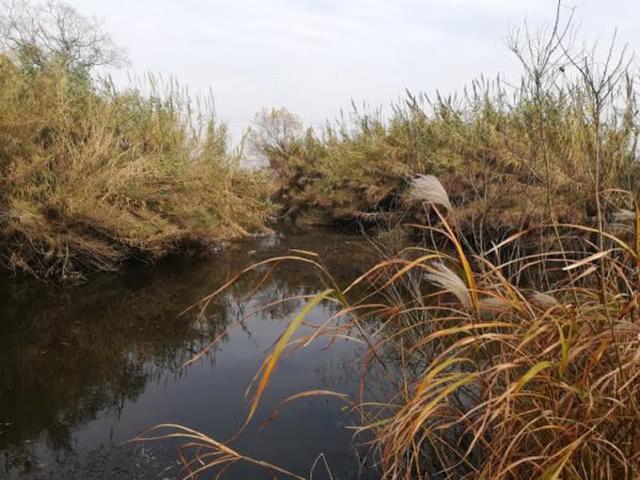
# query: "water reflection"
84,369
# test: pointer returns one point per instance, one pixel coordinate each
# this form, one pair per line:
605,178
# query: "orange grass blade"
625,246
271,362
234,279
436,370
588,260
532,372
553,472
445,332
408,267
465,379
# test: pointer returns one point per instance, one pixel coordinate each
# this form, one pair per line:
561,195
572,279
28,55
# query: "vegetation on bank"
510,155
92,177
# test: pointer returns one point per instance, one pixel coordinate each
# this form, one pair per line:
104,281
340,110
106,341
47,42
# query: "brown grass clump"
93,177
525,384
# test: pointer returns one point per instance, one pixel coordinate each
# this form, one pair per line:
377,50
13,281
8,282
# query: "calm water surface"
84,369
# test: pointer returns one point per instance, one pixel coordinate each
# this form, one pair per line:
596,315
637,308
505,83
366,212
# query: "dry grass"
542,386
93,177
490,377
509,156
503,362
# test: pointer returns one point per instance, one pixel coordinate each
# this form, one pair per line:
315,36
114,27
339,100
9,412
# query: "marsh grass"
511,155
93,177
488,377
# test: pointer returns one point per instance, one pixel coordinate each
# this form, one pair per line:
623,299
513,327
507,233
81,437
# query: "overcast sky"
314,56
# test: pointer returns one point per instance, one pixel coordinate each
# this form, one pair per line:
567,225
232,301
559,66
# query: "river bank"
93,178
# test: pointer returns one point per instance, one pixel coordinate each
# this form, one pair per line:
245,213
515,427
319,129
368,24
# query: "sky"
314,57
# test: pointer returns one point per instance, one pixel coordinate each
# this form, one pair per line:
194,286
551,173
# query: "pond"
85,369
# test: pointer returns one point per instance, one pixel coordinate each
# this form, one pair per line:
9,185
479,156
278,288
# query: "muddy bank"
93,177
489,206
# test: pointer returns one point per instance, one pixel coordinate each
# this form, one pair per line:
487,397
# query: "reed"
530,380
94,177
510,154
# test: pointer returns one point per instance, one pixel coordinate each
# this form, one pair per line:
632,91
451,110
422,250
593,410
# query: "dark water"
84,369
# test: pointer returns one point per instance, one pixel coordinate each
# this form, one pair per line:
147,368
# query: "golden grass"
93,177
509,156
518,384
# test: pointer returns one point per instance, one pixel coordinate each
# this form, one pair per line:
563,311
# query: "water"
84,369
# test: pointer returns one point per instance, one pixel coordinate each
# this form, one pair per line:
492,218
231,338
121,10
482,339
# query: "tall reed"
511,154
93,177
490,377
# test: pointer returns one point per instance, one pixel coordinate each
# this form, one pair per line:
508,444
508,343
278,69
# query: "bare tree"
600,82
41,32
271,134
542,56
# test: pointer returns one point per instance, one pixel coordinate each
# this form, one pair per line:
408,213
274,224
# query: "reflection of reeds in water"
72,353
487,378
109,340
105,342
